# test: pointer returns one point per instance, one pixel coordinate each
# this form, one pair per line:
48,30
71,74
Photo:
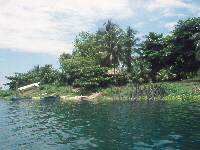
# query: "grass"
44,90
186,89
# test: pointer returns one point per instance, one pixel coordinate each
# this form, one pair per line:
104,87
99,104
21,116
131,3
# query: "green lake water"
143,125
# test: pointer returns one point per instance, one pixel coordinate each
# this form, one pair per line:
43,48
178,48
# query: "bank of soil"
91,97
82,97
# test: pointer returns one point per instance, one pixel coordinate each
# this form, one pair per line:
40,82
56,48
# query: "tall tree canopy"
183,48
197,43
111,45
85,44
175,52
93,55
152,49
44,75
130,42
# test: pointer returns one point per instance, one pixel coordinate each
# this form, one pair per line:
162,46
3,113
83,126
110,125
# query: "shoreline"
91,97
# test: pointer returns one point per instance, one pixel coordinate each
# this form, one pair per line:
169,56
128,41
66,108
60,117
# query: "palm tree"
111,45
111,49
129,43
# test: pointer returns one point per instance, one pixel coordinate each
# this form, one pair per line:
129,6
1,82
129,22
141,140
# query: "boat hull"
50,98
20,98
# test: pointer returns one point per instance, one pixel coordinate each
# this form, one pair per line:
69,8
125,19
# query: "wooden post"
153,92
16,86
140,92
118,93
137,91
134,91
161,91
114,94
148,91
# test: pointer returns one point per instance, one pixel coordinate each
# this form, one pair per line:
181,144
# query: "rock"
81,89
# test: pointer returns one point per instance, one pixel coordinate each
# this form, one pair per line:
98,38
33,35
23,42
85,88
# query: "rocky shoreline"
77,98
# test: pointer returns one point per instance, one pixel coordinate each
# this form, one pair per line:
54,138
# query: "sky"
36,32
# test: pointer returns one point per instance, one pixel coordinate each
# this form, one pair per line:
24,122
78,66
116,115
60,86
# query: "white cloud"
167,4
139,24
50,26
171,14
169,7
2,59
170,25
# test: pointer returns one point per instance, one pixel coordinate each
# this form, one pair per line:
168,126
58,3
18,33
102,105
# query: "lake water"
144,125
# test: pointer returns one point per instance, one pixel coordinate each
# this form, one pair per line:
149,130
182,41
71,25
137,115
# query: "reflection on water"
142,125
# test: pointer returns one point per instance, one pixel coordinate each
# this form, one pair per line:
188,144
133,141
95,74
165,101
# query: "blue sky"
37,32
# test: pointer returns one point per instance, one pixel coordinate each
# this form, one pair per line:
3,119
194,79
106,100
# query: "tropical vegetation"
156,58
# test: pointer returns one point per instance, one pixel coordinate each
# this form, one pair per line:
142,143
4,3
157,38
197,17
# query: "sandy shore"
77,98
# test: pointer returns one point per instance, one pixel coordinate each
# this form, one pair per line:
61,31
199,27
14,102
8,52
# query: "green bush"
92,76
4,93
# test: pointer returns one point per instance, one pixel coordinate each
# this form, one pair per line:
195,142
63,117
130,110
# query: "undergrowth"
184,90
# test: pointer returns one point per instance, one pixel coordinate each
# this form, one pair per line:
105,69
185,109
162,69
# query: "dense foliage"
175,53
183,49
156,58
95,54
44,75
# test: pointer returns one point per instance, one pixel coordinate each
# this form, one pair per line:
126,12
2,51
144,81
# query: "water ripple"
129,125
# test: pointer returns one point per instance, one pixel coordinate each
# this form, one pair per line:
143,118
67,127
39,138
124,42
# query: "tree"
82,71
129,43
48,74
92,76
44,75
140,70
85,45
152,49
182,47
111,45
72,67
197,43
